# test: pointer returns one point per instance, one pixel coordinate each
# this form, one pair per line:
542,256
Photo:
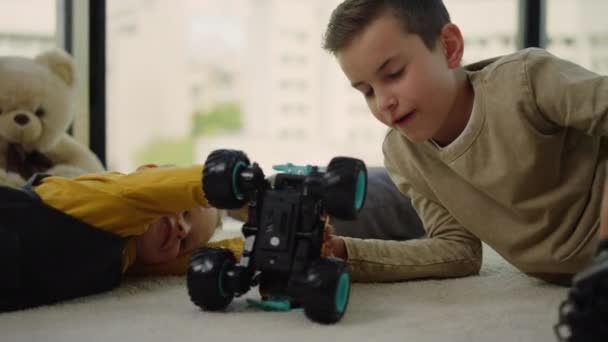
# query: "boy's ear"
452,44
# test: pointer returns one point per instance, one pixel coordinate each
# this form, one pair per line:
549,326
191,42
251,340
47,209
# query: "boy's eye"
368,93
395,74
40,112
182,244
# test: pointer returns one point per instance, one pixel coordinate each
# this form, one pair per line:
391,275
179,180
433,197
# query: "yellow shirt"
125,204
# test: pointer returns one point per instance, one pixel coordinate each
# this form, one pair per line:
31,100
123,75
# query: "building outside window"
577,31
251,75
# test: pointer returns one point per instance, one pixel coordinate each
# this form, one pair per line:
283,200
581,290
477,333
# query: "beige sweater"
524,177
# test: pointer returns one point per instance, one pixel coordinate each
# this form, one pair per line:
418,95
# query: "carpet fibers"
500,304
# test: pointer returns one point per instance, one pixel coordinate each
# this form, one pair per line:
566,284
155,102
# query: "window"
485,33
576,31
186,77
27,27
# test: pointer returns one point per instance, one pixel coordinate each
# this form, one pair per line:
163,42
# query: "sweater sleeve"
125,204
449,250
566,93
164,190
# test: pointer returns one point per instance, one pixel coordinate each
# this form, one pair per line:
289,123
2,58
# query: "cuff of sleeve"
354,257
351,247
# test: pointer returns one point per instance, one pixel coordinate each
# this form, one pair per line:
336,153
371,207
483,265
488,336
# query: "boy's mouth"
403,119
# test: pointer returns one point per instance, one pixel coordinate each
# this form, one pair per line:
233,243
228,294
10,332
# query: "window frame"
532,23
81,31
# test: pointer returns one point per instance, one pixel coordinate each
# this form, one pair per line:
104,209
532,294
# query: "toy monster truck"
583,317
284,235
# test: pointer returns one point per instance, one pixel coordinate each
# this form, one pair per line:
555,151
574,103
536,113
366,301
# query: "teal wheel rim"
342,291
220,280
360,190
235,190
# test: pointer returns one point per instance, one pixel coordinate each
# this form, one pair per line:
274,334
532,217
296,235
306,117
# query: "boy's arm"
124,204
164,190
449,251
567,94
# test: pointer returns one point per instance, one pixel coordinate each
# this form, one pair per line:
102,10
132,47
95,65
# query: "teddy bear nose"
21,119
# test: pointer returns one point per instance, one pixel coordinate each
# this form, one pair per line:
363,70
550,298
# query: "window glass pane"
186,77
577,31
27,27
485,34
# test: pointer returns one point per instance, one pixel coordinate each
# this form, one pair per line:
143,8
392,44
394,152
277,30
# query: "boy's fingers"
334,246
326,248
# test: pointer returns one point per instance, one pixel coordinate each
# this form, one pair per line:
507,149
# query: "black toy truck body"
284,235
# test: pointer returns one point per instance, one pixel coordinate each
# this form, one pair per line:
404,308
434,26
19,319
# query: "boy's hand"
334,245
337,247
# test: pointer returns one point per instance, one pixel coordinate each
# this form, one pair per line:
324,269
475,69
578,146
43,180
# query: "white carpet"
498,305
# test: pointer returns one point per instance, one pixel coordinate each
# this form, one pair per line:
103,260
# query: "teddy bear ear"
60,63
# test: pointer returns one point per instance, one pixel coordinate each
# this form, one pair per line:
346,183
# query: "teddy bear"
36,109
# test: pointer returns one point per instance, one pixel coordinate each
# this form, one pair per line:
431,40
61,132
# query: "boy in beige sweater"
506,151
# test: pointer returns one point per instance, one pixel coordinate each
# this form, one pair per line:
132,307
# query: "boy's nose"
184,224
386,104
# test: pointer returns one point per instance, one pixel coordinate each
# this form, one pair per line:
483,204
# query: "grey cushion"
387,213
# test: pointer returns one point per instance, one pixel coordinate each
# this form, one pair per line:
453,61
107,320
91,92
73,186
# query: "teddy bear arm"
70,154
11,179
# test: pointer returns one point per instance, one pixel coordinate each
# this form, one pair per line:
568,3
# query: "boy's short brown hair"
425,18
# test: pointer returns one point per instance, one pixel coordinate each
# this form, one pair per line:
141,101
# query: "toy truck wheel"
328,292
346,185
583,314
205,278
220,179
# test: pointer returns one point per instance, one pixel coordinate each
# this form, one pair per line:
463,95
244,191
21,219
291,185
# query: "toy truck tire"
220,179
205,278
329,291
582,316
346,185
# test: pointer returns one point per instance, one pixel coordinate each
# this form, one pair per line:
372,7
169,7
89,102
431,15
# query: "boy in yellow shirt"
97,227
